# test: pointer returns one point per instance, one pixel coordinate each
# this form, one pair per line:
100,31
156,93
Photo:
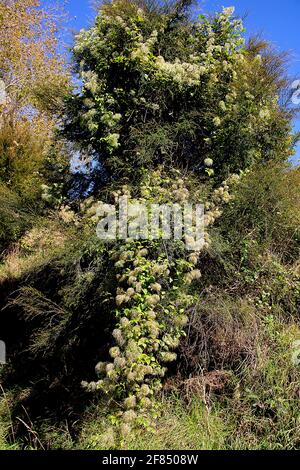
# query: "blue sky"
275,20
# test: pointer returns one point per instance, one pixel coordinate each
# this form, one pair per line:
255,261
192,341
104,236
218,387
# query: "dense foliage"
33,82
160,88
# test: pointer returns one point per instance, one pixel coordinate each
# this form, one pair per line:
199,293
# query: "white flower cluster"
183,73
110,119
143,48
112,141
90,81
137,334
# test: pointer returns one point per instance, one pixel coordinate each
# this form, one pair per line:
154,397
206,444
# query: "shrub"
14,218
266,210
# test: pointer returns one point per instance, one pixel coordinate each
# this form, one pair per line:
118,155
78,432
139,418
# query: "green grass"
178,427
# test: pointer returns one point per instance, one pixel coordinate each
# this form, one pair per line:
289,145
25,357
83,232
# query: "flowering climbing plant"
153,297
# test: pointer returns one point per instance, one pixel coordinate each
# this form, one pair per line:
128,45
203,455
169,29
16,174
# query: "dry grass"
35,249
